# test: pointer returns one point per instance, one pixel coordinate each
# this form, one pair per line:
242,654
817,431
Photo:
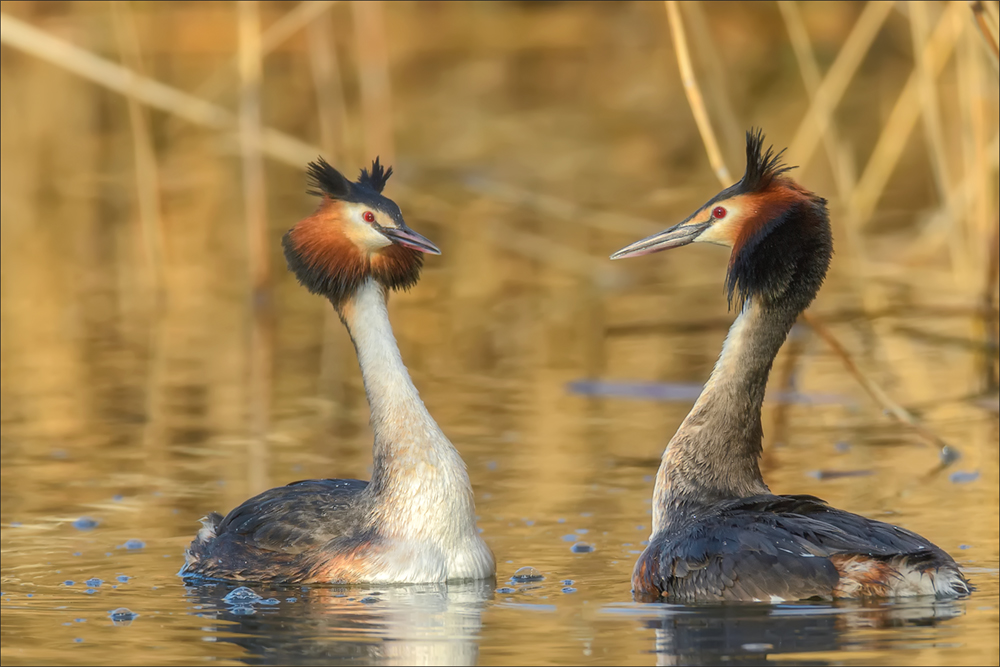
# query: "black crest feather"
325,180
762,165
376,178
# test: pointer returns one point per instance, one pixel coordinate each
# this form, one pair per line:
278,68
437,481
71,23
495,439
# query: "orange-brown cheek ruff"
326,262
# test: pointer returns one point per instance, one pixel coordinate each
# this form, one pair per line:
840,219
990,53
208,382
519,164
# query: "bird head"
356,233
777,230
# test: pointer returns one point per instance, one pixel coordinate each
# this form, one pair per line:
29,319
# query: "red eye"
370,217
718,213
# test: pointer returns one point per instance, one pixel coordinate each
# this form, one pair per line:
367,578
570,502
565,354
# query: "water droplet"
567,582
568,589
581,548
242,596
70,582
86,523
94,582
123,578
134,544
526,574
90,591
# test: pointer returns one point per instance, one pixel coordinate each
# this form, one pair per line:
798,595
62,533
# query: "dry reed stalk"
987,28
28,39
147,177
814,124
934,135
840,161
705,127
255,210
372,55
902,118
693,92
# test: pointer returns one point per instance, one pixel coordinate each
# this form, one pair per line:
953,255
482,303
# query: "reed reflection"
425,624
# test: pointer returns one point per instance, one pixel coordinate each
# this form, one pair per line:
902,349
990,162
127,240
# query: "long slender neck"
416,468
715,453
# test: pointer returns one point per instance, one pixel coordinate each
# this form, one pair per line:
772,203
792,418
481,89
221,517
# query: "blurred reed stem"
372,55
25,37
147,177
255,210
829,93
693,92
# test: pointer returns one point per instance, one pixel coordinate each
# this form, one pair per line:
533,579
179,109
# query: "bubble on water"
568,589
86,523
242,596
78,640
560,520
291,599
79,620
77,553
963,547
30,595
69,582
368,600
90,591
15,524
581,531
134,544
94,582
117,497
568,538
271,601
123,578
122,616
243,610
581,548
526,574
506,590
567,582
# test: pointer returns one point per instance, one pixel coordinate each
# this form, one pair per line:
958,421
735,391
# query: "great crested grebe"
415,521
718,532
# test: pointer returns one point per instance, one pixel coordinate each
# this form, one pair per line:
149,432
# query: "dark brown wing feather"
278,534
765,546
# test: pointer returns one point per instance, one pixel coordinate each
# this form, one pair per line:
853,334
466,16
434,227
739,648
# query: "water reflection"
754,634
425,624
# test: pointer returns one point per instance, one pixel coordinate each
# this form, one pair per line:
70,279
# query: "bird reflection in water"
757,634
415,624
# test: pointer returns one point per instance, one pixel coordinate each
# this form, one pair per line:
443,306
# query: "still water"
105,477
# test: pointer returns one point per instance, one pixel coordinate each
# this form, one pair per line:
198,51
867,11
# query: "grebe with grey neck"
718,532
414,522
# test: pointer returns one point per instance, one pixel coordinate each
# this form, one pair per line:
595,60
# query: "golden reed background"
153,154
